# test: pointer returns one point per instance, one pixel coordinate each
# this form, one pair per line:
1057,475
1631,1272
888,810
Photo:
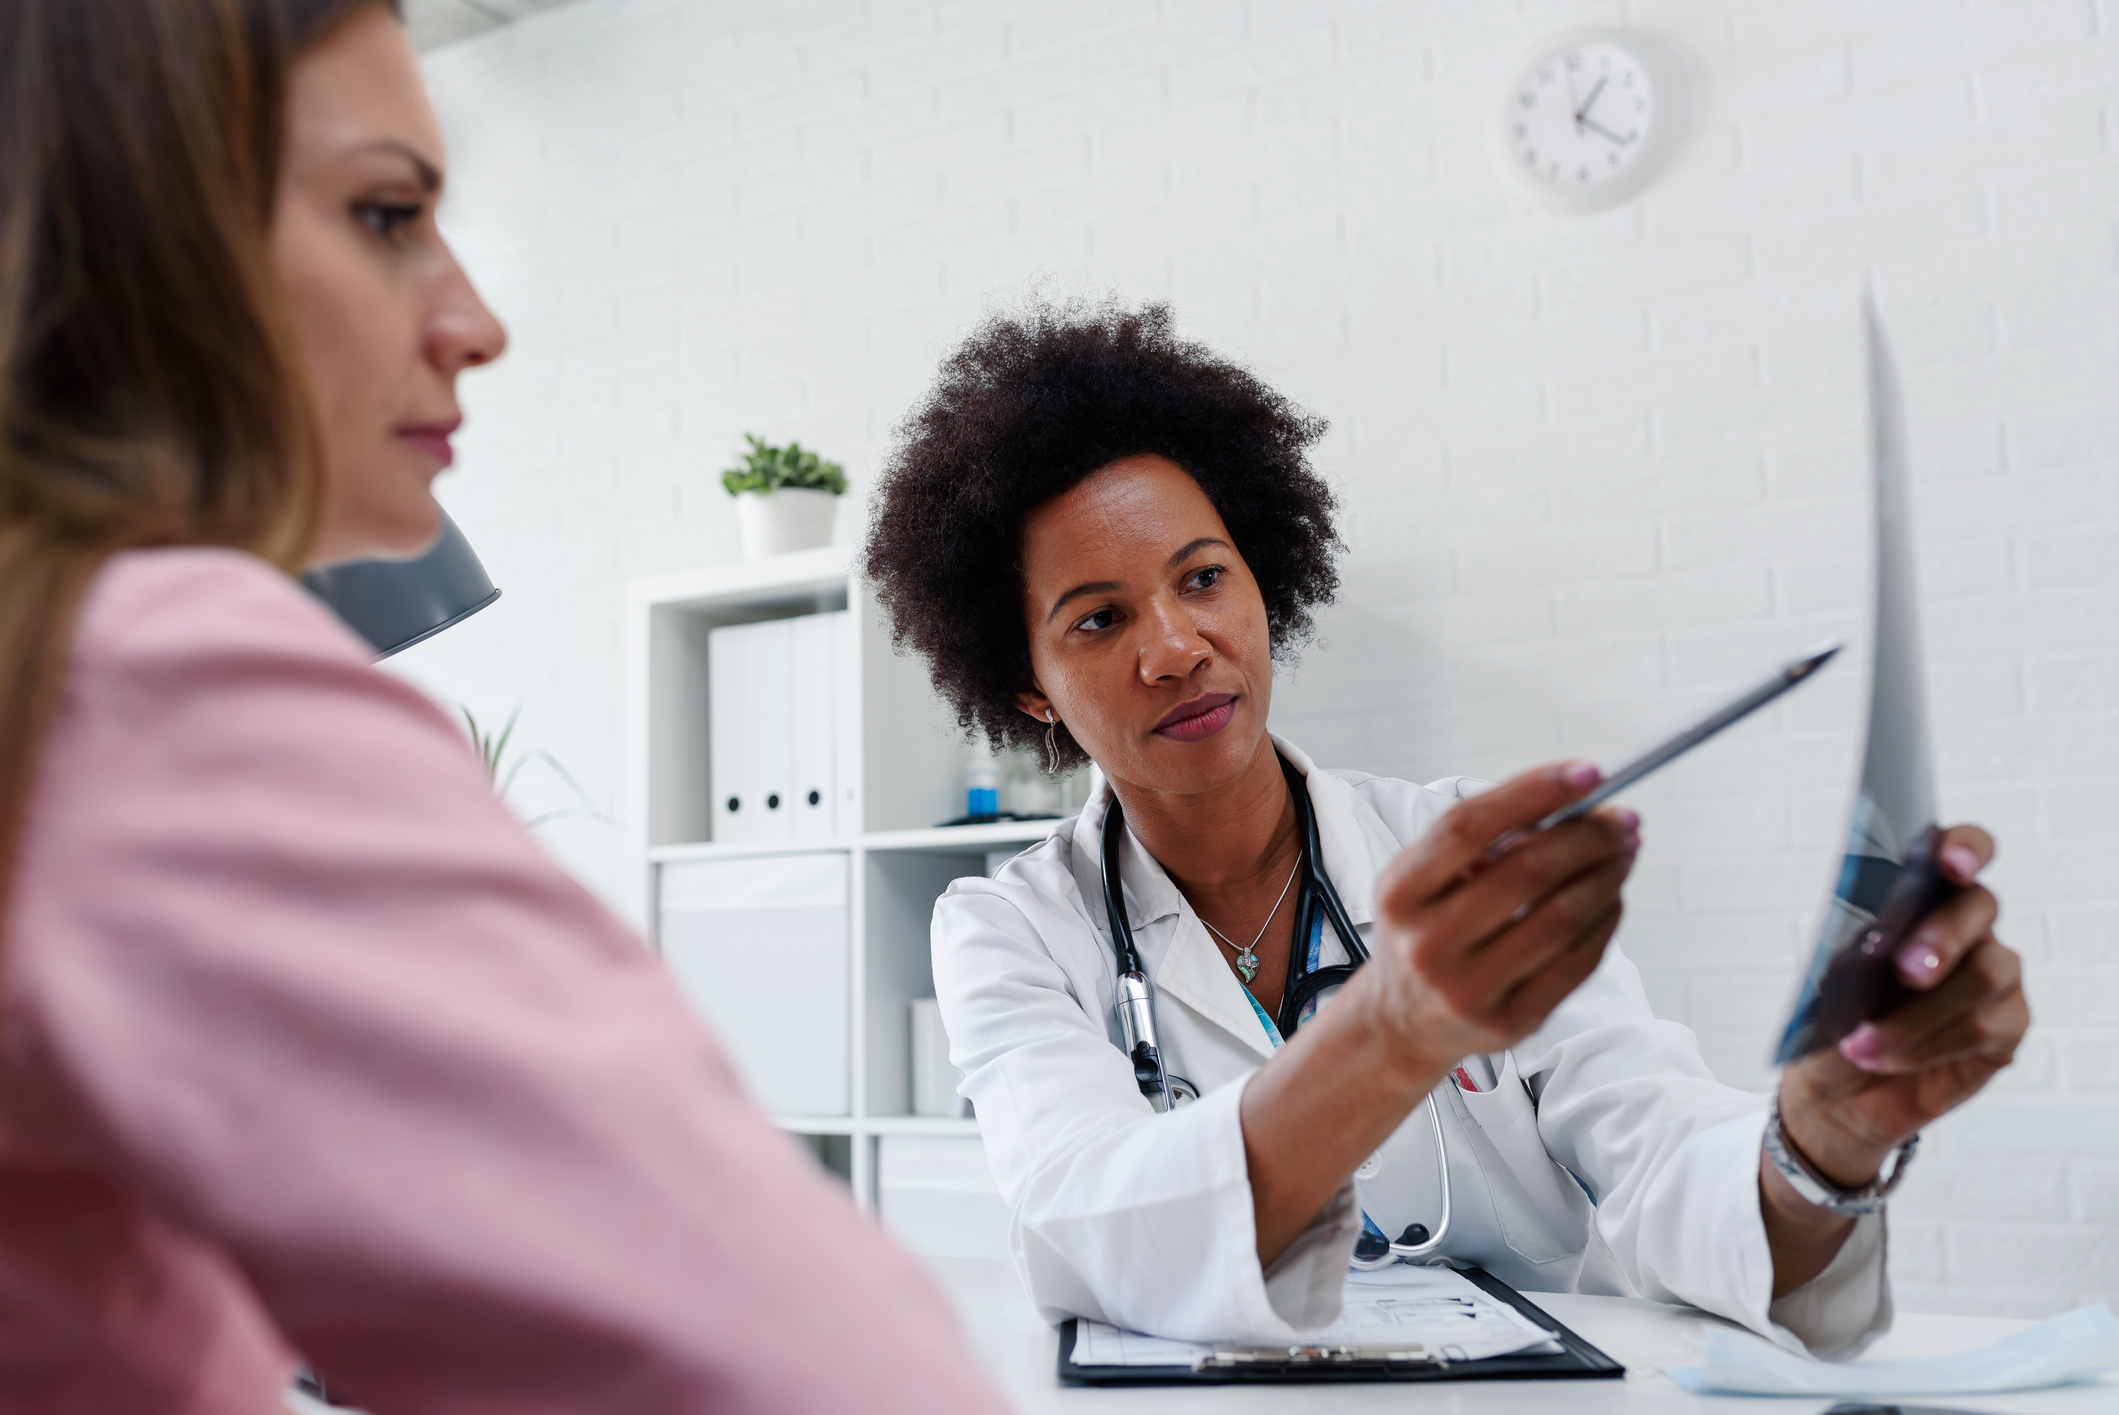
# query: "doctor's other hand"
1848,1108
1473,946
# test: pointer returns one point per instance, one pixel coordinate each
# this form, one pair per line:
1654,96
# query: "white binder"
815,695
772,727
782,722
846,726
733,779
760,949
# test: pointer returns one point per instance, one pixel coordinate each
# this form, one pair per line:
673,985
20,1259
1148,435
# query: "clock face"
1581,116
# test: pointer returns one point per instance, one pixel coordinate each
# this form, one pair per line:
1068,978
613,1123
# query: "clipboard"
1576,1360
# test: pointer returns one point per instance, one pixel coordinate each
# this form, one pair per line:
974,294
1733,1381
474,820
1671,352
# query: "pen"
1683,741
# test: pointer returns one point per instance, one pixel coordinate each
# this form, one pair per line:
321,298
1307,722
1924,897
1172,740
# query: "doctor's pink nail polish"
1862,1046
1919,961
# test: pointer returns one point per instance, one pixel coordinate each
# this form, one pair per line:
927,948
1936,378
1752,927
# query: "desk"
1021,1352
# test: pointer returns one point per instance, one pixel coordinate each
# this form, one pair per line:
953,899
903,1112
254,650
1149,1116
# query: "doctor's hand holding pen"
1482,930
1471,949
1848,1110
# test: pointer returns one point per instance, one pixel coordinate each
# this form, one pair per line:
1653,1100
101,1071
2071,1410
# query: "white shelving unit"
908,774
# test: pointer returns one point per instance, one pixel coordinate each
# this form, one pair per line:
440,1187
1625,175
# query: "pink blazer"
309,1048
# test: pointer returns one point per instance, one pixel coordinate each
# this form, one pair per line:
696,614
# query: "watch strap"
1804,1178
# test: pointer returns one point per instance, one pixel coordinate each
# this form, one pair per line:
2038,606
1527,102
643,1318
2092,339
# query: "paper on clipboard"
1433,1308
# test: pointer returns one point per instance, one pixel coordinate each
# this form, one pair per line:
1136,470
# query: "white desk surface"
1022,1353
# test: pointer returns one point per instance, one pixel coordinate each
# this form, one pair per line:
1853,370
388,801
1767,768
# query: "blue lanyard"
1273,1032
1316,948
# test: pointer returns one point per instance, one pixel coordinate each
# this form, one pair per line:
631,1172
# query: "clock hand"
1600,129
1582,113
1568,69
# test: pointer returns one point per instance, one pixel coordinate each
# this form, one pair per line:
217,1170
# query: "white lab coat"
1145,1220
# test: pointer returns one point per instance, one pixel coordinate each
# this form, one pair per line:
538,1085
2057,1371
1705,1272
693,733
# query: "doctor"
1101,538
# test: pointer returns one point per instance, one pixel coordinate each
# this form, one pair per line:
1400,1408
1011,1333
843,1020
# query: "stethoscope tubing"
1136,997
1411,1251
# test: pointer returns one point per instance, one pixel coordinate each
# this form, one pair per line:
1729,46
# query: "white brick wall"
1597,470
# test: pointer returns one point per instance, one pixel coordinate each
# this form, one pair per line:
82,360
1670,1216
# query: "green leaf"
764,468
493,754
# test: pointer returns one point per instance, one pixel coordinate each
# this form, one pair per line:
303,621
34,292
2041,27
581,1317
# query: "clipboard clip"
1293,1360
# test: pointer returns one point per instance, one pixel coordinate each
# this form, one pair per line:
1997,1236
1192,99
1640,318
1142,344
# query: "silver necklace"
1247,953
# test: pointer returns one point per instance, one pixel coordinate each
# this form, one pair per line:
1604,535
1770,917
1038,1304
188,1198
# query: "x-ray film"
1889,878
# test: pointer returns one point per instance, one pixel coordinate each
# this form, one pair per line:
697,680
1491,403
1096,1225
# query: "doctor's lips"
1198,719
433,438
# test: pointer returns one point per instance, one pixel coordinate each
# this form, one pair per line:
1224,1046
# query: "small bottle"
982,789
1025,789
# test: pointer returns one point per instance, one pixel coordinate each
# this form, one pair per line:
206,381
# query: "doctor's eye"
1205,578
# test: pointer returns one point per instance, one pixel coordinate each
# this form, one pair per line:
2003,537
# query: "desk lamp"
394,604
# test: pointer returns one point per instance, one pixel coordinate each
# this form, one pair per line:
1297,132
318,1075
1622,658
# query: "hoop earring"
1052,752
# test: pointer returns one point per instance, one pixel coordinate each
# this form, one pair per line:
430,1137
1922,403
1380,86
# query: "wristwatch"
1799,1172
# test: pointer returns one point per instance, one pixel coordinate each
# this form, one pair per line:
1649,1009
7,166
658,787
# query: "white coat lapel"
1356,843
1181,958
1194,972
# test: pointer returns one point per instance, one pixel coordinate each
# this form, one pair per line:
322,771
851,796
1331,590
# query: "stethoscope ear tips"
1372,1245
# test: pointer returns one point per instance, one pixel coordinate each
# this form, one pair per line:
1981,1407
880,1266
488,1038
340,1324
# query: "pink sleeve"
321,999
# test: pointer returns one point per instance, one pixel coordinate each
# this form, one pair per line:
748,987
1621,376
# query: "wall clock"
1590,117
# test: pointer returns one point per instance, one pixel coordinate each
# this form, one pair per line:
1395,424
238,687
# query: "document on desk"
1434,1309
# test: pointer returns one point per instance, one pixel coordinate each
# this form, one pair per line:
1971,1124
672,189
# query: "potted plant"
786,497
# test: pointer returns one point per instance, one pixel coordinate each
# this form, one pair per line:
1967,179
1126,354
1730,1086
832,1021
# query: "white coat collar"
1182,959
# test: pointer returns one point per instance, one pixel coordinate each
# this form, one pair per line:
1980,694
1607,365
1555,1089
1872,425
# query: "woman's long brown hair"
149,389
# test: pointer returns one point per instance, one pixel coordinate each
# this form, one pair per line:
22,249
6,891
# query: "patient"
309,1047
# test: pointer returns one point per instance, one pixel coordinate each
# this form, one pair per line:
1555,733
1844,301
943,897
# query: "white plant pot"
790,518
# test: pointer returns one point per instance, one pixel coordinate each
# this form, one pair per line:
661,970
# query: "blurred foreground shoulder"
170,604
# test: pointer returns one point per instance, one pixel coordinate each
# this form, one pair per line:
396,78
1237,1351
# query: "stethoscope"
1136,1001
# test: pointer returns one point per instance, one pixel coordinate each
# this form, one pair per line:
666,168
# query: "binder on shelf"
733,765
814,698
772,726
761,950
777,699
846,724
1186,1363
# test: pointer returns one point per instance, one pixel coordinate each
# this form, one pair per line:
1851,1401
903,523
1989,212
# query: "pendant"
1247,964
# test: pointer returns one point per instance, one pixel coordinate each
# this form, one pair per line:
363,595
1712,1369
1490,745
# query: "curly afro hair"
1030,405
